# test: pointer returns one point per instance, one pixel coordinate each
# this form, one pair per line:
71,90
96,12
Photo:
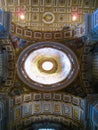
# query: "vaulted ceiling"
47,32
48,15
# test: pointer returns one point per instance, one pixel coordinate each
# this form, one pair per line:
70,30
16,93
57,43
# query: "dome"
47,66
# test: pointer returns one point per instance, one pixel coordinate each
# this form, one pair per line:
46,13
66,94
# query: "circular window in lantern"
47,66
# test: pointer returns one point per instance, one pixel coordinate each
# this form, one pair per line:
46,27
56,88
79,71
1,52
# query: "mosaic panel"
26,109
36,108
57,108
67,110
47,107
76,113
17,113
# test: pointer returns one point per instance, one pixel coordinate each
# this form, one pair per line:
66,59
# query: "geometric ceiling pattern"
48,15
41,47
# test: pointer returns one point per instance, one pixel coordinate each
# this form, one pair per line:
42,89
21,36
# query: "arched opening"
47,125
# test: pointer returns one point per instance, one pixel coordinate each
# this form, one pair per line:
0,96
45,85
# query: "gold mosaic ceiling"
48,15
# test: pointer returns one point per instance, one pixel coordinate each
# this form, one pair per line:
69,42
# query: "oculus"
47,66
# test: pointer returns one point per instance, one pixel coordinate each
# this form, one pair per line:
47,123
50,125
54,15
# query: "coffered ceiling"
48,15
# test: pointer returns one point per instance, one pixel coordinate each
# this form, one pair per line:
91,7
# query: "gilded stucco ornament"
48,17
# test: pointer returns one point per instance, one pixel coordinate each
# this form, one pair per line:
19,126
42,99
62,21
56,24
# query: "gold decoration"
37,108
48,17
18,112
57,108
45,59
